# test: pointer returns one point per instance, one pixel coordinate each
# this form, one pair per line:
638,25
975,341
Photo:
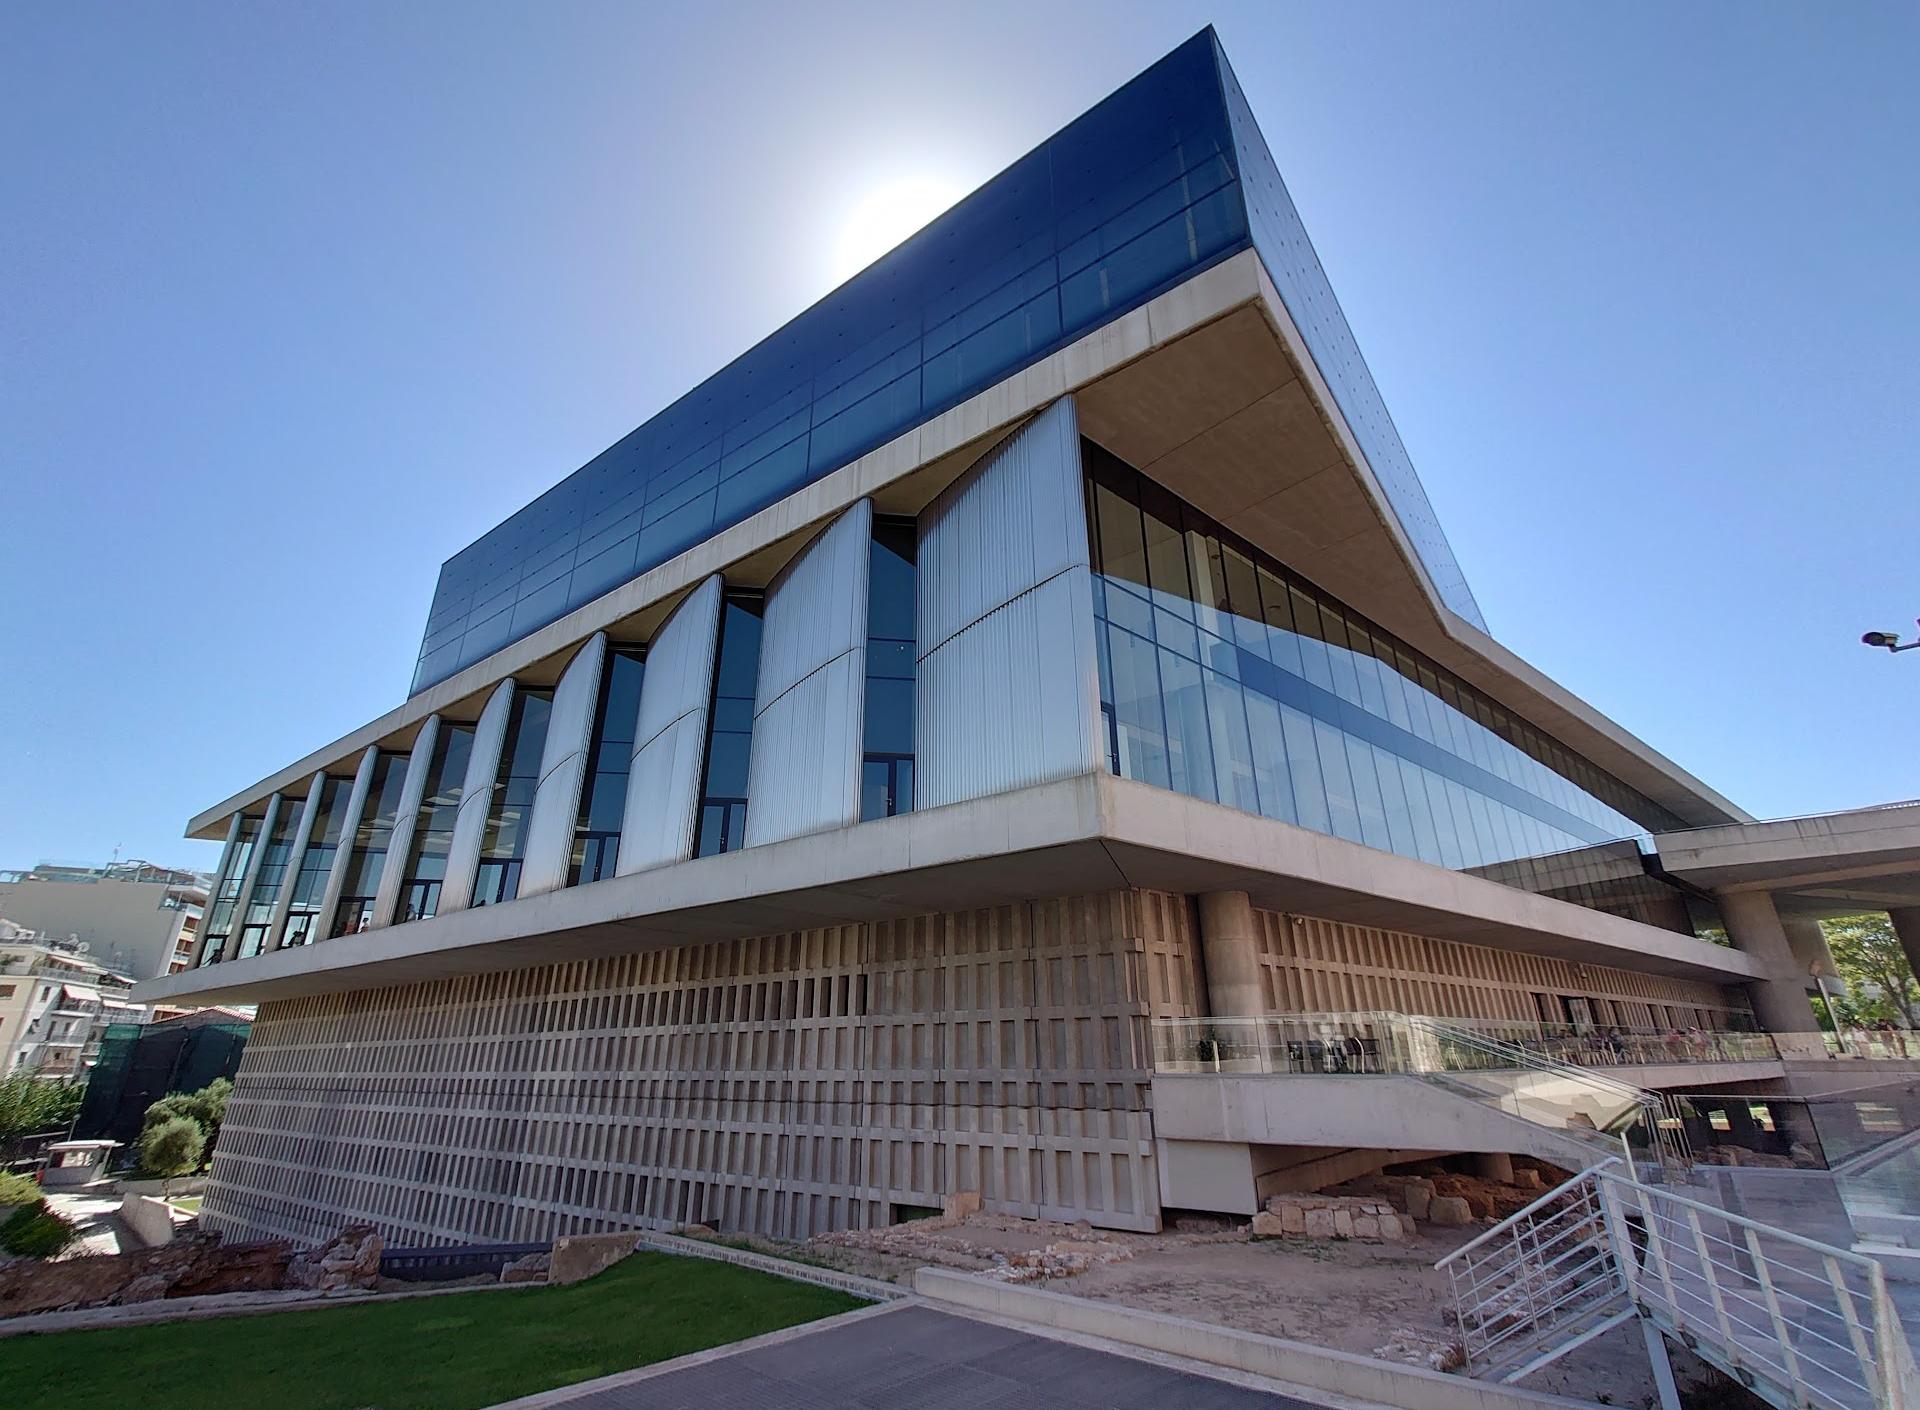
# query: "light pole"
1890,640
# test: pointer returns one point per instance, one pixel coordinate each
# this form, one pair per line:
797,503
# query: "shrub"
30,1105
206,1108
171,1146
17,1189
34,1231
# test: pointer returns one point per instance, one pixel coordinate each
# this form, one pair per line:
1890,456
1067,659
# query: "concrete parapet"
150,1220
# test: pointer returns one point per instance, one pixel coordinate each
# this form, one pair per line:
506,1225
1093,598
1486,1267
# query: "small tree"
1868,954
171,1147
206,1108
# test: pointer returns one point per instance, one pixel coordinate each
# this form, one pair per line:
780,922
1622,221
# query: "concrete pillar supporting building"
213,892
296,853
476,801
406,818
563,771
1809,944
1906,925
244,897
1779,994
1493,1165
1230,951
349,830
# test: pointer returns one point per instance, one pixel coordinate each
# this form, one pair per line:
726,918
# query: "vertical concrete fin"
406,820
476,800
343,854
670,737
296,853
245,897
563,769
1008,692
803,774
213,892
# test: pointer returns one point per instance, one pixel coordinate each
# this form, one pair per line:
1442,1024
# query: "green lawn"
189,1203
457,1352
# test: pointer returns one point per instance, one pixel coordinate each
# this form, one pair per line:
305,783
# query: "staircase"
1803,1325
1597,1115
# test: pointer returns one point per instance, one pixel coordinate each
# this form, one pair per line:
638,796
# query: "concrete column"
245,898
213,891
563,771
1780,993
476,801
1230,950
1906,925
1809,945
343,854
1493,1165
406,819
296,852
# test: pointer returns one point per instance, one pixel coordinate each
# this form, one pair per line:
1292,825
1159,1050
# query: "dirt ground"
1374,1299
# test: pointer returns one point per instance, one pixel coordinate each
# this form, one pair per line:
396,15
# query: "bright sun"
886,217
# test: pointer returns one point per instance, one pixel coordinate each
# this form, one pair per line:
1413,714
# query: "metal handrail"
1806,1325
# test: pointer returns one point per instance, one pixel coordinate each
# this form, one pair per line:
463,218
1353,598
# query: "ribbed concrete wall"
670,741
1008,692
804,772
783,1085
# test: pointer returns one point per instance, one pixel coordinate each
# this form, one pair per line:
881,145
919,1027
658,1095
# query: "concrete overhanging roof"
1209,389
1072,837
1867,857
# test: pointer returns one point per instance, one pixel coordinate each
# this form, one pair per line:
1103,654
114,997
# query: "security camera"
1880,639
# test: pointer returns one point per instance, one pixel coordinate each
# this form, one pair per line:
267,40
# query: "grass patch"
189,1204
457,1352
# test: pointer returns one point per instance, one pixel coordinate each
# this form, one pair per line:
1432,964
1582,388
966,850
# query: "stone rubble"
350,1259
1331,1217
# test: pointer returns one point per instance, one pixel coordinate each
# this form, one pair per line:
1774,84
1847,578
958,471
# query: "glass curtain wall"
603,794
886,767
433,831
723,791
369,857
273,870
220,906
1226,677
316,863
504,846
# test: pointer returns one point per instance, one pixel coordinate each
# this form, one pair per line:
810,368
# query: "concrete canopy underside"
1211,391
1828,864
1077,835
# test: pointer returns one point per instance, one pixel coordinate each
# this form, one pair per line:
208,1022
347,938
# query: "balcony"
1393,1044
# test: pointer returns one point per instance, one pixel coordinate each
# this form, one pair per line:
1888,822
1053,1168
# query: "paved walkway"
911,1357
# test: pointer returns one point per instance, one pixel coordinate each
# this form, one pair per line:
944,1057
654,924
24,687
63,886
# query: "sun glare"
887,216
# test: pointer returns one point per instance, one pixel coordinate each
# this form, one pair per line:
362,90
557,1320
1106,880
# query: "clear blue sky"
296,300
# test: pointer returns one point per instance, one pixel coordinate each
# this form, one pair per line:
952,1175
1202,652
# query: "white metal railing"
1802,1324
1539,1284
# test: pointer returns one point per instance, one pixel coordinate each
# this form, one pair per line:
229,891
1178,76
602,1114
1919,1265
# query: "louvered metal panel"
476,801
663,785
804,772
563,768
1008,691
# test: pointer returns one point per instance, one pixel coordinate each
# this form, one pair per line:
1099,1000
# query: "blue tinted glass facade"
1139,194
1130,199
1226,677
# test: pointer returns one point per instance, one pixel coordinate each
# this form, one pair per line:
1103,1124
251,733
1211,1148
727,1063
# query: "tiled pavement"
915,1358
